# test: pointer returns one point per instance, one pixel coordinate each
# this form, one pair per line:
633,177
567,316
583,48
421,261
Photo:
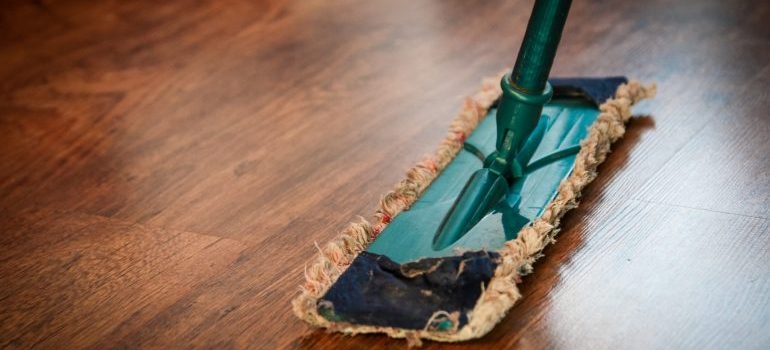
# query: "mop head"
497,272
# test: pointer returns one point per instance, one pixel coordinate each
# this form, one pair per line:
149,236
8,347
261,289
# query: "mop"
447,246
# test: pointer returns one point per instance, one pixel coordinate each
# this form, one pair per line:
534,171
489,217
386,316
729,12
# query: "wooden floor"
166,167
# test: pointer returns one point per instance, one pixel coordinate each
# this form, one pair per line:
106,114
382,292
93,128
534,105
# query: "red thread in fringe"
432,165
460,136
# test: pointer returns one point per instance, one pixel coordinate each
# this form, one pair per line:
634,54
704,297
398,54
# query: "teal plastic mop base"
549,155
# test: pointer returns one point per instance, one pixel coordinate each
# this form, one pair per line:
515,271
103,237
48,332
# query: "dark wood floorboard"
167,167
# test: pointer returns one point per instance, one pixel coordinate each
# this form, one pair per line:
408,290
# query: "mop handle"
526,89
538,48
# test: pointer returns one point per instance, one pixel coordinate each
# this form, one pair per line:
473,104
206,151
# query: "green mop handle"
538,48
525,92
526,89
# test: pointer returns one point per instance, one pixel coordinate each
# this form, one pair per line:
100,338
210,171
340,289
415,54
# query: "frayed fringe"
518,255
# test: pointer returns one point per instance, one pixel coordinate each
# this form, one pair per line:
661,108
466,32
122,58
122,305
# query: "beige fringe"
518,254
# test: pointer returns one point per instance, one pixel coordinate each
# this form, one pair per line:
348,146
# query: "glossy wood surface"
166,167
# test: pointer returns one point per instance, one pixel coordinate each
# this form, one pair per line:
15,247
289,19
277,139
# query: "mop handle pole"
538,48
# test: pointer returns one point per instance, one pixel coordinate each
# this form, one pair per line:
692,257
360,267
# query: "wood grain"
166,168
